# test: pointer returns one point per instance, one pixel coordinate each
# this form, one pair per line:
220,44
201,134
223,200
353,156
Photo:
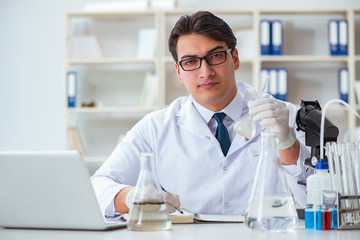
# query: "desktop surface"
227,231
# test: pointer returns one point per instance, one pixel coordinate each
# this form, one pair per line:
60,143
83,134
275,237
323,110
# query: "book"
71,88
357,91
265,33
146,47
344,84
149,92
276,37
343,37
85,47
117,6
333,36
190,217
282,84
75,141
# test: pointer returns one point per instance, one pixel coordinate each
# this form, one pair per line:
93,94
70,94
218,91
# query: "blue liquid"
334,223
318,219
309,219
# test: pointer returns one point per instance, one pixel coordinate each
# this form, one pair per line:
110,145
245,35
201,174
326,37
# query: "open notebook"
190,217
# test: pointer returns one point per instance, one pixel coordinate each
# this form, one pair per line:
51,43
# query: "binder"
273,85
333,36
282,84
344,84
265,33
276,37
343,37
71,88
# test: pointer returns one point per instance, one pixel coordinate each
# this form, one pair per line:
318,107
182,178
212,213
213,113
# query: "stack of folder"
338,36
278,85
271,37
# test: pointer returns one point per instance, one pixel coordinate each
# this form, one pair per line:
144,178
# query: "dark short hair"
203,23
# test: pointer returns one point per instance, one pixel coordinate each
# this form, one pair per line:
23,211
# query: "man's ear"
235,56
177,67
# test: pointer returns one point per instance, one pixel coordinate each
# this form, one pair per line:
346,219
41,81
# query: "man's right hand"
124,199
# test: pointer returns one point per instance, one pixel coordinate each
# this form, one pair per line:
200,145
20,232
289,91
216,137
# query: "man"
207,176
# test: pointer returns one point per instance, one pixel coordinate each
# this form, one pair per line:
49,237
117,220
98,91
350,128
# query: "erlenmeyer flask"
148,210
271,206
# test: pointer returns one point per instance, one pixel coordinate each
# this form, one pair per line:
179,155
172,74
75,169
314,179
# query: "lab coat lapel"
190,119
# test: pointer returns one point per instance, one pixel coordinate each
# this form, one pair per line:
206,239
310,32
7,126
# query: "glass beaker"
245,126
271,206
148,211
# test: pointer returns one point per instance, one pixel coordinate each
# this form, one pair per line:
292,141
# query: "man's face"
213,87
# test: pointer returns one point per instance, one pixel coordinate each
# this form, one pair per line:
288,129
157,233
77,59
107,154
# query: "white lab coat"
189,160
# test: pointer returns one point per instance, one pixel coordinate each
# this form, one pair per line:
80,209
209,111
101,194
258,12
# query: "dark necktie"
222,134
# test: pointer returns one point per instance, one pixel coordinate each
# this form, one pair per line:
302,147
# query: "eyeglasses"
213,59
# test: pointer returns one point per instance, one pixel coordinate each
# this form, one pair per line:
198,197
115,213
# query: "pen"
177,208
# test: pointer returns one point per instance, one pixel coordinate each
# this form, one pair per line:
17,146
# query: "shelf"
109,61
134,109
111,14
303,58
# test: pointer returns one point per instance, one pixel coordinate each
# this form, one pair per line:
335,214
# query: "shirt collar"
233,110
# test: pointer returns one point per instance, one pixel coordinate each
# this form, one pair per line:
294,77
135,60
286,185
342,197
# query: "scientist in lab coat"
198,172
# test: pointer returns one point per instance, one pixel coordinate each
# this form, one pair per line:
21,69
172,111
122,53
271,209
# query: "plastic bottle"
318,182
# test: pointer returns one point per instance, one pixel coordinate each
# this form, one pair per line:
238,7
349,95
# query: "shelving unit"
120,74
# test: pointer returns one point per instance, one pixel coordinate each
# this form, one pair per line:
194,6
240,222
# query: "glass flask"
148,211
245,126
271,206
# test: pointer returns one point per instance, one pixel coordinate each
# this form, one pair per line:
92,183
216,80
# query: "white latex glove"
172,200
273,115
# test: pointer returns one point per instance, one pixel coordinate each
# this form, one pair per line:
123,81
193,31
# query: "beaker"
271,206
148,211
245,126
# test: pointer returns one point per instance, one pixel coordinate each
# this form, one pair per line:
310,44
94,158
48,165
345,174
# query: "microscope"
308,119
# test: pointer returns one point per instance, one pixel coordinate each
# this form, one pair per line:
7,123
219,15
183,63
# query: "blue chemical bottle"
309,216
334,223
318,217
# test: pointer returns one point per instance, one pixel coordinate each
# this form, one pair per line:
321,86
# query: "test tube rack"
348,212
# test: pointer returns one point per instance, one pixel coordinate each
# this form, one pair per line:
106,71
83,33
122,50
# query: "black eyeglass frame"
205,58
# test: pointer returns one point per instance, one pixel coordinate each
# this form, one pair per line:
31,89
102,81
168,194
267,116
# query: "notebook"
48,190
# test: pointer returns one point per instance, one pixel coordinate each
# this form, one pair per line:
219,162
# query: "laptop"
48,190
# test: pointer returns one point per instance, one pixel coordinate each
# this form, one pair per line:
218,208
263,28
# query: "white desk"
181,232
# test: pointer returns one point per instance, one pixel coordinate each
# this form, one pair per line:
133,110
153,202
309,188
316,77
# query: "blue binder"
273,84
343,36
71,88
276,37
265,39
333,36
344,84
282,84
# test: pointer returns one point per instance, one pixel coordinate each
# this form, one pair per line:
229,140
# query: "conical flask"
148,211
271,206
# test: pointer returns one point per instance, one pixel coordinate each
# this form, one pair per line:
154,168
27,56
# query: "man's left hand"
273,115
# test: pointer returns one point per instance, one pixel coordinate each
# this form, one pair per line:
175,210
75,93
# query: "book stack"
338,36
271,37
278,85
344,84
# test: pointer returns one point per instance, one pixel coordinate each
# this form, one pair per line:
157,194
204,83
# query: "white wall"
32,66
